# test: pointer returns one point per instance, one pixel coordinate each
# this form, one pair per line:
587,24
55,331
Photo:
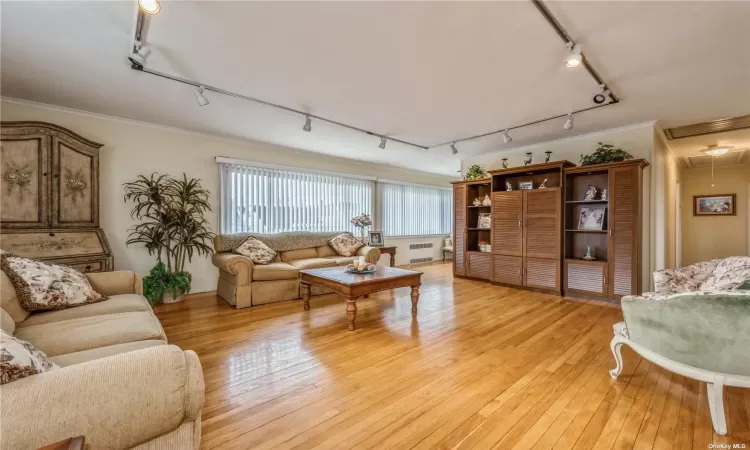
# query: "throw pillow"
42,286
345,244
729,273
258,252
19,359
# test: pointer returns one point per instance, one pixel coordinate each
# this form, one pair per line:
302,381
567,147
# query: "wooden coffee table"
352,285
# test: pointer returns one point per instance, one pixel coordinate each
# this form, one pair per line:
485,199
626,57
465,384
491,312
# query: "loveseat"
696,325
119,384
243,284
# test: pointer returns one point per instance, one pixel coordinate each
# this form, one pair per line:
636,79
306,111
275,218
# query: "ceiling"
425,72
688,149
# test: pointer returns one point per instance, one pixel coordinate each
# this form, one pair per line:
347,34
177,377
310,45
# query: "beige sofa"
243,284
119,385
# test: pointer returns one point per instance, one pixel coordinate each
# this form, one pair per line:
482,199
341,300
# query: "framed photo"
526,185
592,218
376,239
715,205
484,220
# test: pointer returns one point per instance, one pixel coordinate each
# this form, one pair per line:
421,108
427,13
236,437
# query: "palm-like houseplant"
173,227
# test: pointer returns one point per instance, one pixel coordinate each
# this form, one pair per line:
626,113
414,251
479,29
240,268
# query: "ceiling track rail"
142,25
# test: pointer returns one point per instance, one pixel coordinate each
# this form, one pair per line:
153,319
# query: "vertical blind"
264,200
409,210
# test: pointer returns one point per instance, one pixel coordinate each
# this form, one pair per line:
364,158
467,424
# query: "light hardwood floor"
482,367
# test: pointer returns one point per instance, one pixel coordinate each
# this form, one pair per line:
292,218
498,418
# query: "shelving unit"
467,235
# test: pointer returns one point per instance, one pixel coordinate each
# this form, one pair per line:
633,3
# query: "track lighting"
308,125
506,137
382,142
569,123
149,6
139,55
603,95
454,150
574,57
199,97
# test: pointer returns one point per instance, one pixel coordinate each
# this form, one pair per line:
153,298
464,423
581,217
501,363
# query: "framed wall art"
715,205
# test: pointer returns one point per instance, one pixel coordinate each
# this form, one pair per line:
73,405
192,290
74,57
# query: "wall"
133,148
637,140
665,175
714,236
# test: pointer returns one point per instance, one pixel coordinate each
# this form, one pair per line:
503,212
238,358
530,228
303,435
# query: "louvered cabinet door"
542,273
624,201
586,277
480,265
459,229
542,223
507,269
507,219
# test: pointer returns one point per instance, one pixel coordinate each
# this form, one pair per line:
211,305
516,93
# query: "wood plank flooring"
482,367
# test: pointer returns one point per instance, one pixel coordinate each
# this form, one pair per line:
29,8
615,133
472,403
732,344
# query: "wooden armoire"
49,205
534,241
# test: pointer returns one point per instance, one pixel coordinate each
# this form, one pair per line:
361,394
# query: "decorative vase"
363,234
167,297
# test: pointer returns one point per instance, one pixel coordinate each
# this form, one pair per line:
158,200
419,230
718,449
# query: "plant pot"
169,298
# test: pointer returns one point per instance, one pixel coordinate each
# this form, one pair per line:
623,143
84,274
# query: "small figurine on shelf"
588,256
508,187
486,201
549,155
527,161
482,246
505,163
543,185
477,202
604,195
590,193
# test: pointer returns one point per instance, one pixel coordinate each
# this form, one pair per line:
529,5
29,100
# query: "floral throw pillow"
258,252
729,274
42,286
345,244
685,279
19,359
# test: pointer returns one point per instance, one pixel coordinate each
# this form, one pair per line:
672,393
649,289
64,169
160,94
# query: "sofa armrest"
115,402
116,283
371,254
239,266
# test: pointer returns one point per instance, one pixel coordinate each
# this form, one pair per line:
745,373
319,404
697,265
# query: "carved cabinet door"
75,183
24,162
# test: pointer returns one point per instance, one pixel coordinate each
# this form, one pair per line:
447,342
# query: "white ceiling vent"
715,126
728,159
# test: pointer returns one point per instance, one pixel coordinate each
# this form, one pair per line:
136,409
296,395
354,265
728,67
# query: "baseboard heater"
420,252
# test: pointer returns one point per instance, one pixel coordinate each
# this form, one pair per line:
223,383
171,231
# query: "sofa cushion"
43,286
102,352
342,260
258,252
313,263
9,300
684,279
113,305
729,273
19,359
275,271
345,244
85,333
6,322
302,253
324,251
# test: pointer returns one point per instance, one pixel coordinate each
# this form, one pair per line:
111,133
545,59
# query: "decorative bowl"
358,271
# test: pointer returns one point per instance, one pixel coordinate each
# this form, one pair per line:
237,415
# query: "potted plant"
475,172
173,227
605,153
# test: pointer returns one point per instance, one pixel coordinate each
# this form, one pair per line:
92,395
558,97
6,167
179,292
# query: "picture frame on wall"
484,221
715,205
592,218
376,239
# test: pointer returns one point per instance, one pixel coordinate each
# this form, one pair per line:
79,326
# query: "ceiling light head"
308,125
454,150
382,142
149,6
715,150
574,57
199,97
138,57
603,95
506,137
569,123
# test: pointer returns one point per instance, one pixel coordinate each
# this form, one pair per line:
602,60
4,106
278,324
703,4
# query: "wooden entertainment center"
535,240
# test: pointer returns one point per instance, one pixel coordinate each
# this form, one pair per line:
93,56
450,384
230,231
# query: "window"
410,210
270,200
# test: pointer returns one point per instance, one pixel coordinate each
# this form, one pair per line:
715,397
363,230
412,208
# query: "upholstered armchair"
447,246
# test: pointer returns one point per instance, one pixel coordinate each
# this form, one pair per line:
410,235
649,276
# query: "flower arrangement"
362,221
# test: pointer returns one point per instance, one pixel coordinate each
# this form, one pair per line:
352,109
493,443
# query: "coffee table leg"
351,311
414,299
305,294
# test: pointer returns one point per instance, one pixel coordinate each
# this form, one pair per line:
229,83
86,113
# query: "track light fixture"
506,137
569,123
199,97
139,55
382,142
149,6
454,150
603,94
308,124
574,58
